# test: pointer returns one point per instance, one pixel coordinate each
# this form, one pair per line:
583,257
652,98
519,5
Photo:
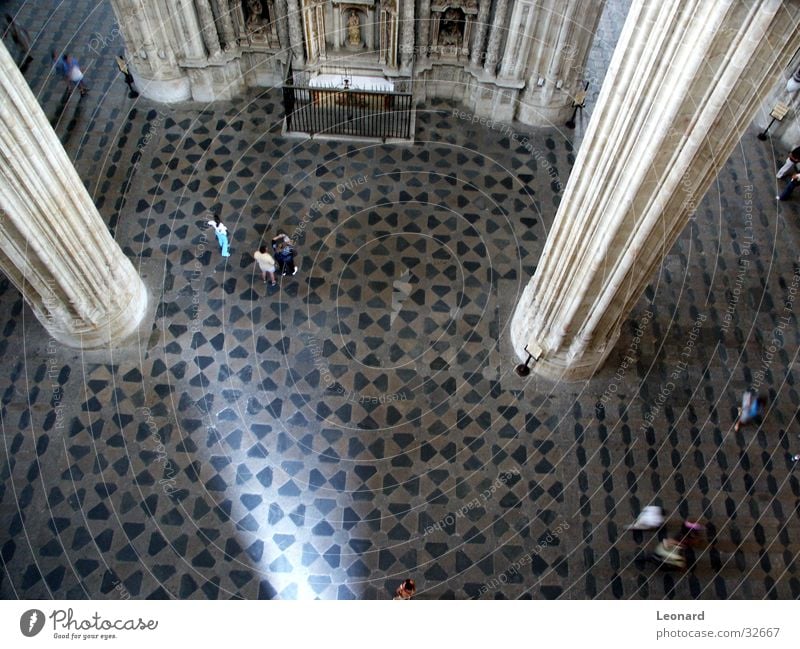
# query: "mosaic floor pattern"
361,423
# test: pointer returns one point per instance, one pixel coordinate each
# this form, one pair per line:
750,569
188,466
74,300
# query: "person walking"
285,257
650,518
75,74
406,590
752,409
279,239
123,68
669,553
786,194
60,65
791,164
222,235
22,39
266,263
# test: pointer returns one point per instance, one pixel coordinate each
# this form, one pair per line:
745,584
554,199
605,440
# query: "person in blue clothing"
752,409
60,65
222,235
793,183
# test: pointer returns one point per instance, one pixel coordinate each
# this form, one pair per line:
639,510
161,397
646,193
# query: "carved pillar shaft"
283,26
685,81
208,28
295,30
151,34
54,246
225,22
407,48
518,41
496,37
481,28
424,35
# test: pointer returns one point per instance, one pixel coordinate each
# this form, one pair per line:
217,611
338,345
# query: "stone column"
226,23
496,37
683,85
295,30
54,246
519,38
424,31
481,27
151,57
407,48
555,59
191,39
208,28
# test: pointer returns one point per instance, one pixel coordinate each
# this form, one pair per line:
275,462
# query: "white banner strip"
159,624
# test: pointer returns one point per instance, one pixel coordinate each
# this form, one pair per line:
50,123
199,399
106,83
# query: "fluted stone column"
496,37
407,48
225,21
556,51
208,28
519,39
424,30
151,58
295,30
683,86
481,27
54,246
191,38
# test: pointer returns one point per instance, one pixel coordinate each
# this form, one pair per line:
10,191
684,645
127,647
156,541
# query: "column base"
560,366
110,333
548,115
167,91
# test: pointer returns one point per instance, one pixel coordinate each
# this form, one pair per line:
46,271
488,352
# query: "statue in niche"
353,29
256,18
451,33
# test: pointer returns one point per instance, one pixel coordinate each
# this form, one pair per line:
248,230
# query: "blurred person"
22,39
791,164
406,590
650,518
266,263
123,68
222,235
752,409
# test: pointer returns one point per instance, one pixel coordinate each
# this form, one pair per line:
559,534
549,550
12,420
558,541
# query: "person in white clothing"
790,167
222,235
266,263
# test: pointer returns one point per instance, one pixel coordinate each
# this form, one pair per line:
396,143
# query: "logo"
31,622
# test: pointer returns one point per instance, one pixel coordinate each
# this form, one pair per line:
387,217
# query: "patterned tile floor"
361,423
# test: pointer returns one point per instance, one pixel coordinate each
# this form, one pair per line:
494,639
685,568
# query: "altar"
343,90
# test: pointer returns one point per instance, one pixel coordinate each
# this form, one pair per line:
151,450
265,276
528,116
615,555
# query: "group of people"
670,550
281,260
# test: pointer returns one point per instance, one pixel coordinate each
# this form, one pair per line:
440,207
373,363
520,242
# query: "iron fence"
354,112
